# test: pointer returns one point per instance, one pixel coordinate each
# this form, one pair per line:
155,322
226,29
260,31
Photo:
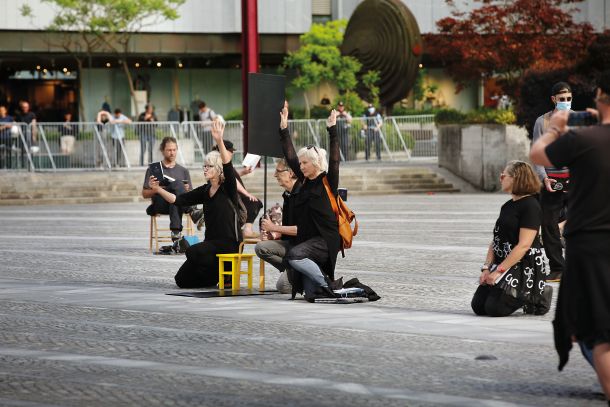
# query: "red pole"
249,55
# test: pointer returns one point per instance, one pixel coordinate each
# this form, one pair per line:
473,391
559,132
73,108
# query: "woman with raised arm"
219,199
317,242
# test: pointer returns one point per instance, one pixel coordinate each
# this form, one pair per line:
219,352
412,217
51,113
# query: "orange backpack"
345,216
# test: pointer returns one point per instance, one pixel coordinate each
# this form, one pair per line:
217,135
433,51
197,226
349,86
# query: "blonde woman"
219,197
317,242
515,269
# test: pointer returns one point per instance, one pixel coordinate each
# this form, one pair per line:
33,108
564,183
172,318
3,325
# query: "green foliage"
478,116
405,111
319,58
370,80
352,102
106,17
319,112
236,114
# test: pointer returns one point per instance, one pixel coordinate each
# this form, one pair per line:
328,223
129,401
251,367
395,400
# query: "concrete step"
90,186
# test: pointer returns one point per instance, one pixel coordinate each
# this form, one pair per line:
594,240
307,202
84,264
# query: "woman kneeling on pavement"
514,272
317,243
219,198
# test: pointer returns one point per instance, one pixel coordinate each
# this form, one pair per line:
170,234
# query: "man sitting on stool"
273,251
182,184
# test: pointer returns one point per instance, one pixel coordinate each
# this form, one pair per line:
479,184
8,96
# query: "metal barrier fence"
79,145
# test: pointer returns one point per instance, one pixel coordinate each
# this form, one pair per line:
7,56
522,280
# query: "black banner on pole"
266,95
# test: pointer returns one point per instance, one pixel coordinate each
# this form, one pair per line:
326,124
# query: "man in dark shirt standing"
583,305
553,195
6,123
28,117
147,132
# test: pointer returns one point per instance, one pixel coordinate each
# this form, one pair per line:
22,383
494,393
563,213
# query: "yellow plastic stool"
235,272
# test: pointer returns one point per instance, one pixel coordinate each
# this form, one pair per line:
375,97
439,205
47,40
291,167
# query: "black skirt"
583,304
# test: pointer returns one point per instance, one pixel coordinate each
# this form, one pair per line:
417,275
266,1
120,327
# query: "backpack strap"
331,197
333,203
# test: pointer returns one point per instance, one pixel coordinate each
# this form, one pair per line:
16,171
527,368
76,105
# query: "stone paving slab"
87,322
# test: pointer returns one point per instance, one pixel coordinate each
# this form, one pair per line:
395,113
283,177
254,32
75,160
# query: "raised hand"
218,129
332,118
284,116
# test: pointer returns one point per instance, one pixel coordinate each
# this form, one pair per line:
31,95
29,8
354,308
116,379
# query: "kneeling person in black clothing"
317,242
222,232
169,149
515,269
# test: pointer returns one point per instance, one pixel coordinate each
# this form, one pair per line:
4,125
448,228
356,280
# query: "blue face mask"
563,105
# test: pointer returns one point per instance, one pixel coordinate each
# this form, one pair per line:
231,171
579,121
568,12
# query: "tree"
535,85
80,43
319,59
502,39
107,23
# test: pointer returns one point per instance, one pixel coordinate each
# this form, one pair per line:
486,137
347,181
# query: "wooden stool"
261,278
235,272
165,236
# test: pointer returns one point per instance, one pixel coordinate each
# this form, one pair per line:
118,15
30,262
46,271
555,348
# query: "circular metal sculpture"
384,36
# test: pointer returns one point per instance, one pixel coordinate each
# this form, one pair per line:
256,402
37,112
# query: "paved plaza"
86,320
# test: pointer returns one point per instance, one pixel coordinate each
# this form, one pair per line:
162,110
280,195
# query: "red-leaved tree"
502,39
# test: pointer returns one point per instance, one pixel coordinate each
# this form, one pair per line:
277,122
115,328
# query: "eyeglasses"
563,98
309,147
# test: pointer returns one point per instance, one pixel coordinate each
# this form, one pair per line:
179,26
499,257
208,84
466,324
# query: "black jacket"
313,211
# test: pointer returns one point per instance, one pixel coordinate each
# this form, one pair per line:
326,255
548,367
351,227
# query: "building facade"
176,64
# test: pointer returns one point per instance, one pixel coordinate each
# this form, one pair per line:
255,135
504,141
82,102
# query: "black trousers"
161,206
252,207
201,266
372,136
552,203
343,133
492,301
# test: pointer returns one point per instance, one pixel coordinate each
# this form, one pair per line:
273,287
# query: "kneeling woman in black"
515,269
317,243
219,198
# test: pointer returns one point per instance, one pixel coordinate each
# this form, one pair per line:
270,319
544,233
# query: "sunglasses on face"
563,98
277,172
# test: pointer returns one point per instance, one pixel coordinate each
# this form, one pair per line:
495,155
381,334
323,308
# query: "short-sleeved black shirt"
514,215
586,152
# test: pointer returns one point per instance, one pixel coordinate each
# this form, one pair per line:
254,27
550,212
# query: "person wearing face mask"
372,129
583,305
553,194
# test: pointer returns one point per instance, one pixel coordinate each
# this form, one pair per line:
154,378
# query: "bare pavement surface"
86,320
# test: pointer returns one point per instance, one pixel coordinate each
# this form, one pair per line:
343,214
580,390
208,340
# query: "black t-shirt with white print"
514,215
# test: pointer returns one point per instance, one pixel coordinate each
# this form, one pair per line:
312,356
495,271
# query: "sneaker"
196,215
176,235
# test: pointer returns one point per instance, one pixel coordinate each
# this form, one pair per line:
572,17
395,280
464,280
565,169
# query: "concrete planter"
479,153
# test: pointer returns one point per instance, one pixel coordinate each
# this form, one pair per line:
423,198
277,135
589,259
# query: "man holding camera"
553,195
583,305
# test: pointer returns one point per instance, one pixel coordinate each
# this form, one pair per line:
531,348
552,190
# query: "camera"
580,119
